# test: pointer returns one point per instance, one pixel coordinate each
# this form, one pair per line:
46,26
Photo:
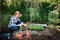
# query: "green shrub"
53,17
4,20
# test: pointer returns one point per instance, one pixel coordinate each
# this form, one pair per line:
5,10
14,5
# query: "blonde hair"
17,12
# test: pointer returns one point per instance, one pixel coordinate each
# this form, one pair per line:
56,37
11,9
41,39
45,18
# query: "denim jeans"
15,28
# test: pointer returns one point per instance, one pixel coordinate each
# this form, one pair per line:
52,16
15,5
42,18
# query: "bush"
53,17
4,21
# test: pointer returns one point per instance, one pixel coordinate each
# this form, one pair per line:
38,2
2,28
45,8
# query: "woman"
15,22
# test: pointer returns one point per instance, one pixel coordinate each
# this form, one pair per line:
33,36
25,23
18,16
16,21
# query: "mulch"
47,34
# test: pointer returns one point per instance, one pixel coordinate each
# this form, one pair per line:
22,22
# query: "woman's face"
18,15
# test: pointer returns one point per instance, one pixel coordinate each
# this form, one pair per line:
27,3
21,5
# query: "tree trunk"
0,10
1,1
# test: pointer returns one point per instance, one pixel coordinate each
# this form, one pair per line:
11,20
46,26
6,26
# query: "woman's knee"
13,28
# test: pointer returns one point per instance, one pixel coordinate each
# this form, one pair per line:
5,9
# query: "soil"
47,34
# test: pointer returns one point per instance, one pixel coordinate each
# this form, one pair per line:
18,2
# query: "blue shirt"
13,21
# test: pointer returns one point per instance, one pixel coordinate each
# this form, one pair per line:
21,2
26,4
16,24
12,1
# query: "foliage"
36,27
53,17
4,20
40,15
16,6
43,12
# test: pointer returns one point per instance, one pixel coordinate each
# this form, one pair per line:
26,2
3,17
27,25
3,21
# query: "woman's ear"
20,15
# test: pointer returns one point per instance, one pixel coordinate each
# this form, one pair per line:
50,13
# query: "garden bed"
45,34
